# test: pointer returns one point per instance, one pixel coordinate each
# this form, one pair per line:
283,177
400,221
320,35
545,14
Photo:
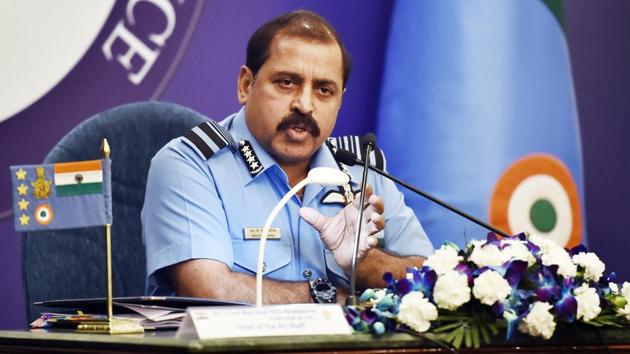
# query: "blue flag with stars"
62,195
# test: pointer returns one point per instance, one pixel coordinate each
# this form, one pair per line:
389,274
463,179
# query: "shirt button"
307,273
264,266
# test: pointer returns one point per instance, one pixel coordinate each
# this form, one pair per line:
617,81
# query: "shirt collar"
237,127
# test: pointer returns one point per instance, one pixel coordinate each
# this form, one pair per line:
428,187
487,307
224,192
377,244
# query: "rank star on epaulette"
249,157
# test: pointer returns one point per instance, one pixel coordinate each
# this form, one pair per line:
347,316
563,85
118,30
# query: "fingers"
367,243
357,198
374,225
376,204
314,218
371,201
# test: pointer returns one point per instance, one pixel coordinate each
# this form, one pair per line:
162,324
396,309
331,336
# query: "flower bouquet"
529,284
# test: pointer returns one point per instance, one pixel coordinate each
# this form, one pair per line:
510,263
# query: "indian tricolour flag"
62,195
478,108
76,178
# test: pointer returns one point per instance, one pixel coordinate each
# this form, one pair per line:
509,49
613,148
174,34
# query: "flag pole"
111,326
105,151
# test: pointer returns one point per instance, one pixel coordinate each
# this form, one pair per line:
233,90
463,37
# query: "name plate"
255,233
271,320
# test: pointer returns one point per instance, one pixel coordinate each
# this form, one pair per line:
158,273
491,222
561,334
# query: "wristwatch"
322,291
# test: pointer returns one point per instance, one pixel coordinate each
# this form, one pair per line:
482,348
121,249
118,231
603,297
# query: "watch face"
322,286
323,291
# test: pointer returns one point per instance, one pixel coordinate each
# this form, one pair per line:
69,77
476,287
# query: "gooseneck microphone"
368,144
350,159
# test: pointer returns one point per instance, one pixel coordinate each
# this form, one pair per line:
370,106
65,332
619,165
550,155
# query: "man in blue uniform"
210,192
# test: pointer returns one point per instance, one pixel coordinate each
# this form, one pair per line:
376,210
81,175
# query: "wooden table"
579,340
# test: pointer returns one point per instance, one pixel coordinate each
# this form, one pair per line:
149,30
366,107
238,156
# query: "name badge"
255,233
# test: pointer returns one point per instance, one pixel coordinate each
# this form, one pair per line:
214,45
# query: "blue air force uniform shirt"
199,201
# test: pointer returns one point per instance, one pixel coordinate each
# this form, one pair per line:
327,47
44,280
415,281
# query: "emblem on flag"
62,195
537,194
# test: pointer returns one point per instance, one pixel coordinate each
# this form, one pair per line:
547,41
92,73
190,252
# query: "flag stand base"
115,326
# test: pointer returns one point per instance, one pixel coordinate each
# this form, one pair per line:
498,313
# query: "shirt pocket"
277,256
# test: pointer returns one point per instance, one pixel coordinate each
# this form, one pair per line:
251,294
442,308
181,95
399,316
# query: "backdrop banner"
478,108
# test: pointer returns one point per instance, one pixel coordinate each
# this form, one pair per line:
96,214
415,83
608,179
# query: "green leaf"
467,338
446,327
459,336
451,335
493,328
475,334
484,333
450,318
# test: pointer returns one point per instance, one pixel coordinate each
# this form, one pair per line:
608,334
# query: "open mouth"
298,132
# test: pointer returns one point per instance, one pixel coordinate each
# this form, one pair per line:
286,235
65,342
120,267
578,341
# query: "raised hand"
337,232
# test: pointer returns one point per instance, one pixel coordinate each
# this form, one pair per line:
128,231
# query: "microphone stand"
437,201
352,298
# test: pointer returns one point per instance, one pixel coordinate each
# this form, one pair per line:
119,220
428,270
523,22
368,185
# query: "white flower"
539,321
593,267
613,287
587,303
451,290
490,287
487,256
543,243
560,257
416,311
625,290
444,259
516,250
625,311
554,254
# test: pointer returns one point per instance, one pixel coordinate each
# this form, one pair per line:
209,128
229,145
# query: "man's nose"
303,102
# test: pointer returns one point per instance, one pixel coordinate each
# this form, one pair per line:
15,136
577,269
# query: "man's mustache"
299,120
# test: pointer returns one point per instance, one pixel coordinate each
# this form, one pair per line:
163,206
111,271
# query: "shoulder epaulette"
208,138
353,143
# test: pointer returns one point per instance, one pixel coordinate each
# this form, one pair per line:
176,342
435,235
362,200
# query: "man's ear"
245,83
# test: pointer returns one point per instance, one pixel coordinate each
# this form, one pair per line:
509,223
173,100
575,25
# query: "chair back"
71,263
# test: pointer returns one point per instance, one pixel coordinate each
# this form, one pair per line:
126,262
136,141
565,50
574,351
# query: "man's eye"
326,91
286,82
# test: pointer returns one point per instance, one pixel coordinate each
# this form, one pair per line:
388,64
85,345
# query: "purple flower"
389,279
544,279
566,306
403,286
468,270
421,280
369,316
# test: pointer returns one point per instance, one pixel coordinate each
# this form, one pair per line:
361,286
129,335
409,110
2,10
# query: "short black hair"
301,24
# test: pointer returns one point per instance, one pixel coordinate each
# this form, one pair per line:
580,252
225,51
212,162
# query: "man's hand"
337,232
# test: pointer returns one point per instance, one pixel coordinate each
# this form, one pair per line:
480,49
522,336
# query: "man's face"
291,105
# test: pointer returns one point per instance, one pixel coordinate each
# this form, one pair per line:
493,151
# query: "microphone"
320,175
368,139
368,142
350,159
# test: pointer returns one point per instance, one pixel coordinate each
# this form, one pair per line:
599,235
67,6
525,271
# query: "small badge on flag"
62,195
